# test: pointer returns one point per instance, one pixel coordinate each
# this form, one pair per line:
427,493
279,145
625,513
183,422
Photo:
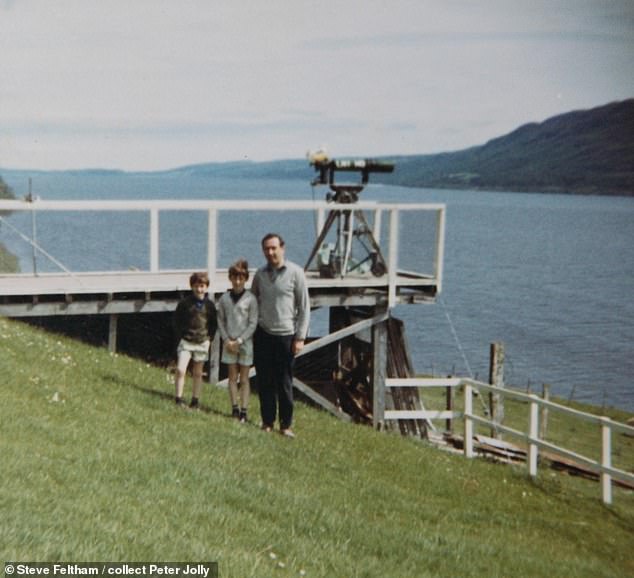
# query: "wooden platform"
25,295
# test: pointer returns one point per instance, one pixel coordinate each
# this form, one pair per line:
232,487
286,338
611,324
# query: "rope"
462,352
456,339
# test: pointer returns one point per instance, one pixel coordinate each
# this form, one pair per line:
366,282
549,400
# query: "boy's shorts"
243,357
199,351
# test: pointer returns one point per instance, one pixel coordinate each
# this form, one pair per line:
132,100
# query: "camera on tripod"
345,193
354,249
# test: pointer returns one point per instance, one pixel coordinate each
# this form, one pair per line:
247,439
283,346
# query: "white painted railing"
602,467
214,208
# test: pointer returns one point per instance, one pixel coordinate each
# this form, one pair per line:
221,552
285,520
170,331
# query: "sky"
158,84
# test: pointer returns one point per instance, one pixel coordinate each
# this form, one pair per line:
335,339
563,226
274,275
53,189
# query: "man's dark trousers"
274,367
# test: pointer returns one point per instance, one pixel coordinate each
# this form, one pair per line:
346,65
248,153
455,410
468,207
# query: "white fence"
214,209
608,427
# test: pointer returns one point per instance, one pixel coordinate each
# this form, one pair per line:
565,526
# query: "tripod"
338,259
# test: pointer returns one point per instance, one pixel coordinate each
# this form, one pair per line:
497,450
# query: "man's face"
274,252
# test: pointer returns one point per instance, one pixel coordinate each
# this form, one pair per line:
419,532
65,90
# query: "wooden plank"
424,382
421,414
320,400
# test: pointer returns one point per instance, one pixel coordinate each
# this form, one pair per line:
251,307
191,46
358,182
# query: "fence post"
468,422
533,432
543,422
449,394
496,378
606,459
392,258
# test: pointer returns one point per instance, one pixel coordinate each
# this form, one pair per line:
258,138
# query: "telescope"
350,226
346,193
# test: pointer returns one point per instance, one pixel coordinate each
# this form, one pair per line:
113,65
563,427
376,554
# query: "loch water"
549,275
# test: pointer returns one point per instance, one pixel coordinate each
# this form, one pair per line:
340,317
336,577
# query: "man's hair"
240,267
199,277
269,236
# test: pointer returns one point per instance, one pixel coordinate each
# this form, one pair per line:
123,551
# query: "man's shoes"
266,428
194,403
287,432
235,412
243,416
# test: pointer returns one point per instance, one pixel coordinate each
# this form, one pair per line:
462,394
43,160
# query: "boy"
237,320
195,324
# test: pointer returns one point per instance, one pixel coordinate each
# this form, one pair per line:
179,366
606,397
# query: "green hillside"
588,151
98,464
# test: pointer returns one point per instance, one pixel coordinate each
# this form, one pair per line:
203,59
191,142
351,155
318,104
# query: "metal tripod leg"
324,232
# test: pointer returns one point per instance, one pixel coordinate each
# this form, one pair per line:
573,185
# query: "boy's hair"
199,277
272,236
240,267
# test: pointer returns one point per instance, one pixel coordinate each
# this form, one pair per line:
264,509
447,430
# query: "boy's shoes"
235,412
287,432
243,416
194,403
180,402
266,428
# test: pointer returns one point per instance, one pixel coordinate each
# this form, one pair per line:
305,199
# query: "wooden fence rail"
602,467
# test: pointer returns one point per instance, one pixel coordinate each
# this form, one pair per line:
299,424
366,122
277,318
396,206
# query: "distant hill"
585,152
589,151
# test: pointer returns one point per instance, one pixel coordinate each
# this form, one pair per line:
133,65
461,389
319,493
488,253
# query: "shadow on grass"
168,397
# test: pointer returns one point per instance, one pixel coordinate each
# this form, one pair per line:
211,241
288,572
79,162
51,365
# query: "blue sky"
156,84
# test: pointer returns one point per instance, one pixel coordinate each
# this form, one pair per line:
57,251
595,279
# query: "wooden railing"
532,437
214,208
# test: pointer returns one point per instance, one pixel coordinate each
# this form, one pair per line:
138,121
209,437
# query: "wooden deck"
26,295
156,289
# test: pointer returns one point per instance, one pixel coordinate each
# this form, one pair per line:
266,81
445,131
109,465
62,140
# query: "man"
284,313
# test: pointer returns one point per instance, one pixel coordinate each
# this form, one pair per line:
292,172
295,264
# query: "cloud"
221,80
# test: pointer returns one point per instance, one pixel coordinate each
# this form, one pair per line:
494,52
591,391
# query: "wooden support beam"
379,372
345,332
214,360
112,333
320,400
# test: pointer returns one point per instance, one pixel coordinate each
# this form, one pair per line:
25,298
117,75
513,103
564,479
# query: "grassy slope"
98,465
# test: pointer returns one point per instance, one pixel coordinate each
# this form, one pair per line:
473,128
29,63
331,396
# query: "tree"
5,190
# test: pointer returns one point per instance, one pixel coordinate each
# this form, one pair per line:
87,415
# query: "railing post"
321,220
468,422
154,240
606,459
393,258
376,227
212,242
533,433
440,248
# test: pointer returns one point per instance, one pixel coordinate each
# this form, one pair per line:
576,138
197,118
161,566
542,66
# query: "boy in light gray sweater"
237,320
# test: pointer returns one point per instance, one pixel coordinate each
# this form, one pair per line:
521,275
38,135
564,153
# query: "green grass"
98,465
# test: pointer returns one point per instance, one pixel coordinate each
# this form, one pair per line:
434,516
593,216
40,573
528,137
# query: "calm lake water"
551,276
